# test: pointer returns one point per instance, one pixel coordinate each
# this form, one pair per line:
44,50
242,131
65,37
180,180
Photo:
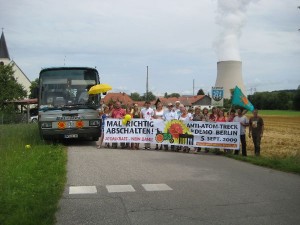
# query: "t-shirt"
118,113
219,119
186,118
147,113
159,114
103,118
242,119
198,117
256,124
169,115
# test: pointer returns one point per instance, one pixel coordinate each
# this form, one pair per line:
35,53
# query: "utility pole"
147,97
193,87
298,8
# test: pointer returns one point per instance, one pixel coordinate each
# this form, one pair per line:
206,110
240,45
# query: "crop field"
281,137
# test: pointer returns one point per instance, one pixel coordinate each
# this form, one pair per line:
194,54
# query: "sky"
180,41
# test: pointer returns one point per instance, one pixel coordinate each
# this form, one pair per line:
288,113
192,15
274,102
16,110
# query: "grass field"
31,179
277,113
280,146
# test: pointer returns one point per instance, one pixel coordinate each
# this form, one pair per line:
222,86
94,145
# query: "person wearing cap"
177,109
169,115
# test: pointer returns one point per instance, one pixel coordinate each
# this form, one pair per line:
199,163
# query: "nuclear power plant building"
229,75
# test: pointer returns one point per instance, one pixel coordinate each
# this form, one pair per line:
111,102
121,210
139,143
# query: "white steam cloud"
231,18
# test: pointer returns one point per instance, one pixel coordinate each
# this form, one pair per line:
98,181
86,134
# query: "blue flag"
241,100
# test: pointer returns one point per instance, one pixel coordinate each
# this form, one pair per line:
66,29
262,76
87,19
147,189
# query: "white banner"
174,132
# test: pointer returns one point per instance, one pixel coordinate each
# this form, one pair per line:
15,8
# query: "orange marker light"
79,124
61,125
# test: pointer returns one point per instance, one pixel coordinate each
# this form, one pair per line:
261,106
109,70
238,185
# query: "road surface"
114,186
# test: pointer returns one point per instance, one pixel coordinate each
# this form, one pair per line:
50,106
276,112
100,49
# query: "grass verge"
286,164
31,179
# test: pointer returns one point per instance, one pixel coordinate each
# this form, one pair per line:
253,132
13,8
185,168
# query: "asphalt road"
114,186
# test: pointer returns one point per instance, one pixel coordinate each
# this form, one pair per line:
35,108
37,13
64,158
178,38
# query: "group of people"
180,112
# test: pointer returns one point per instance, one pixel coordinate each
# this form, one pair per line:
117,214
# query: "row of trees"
10,89
282,100
150,96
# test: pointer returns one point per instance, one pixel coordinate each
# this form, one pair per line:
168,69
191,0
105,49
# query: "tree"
174,95
10,89
150,96
296,100
33,86
200,92
135,96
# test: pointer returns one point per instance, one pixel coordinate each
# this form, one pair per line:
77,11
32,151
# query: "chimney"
229,75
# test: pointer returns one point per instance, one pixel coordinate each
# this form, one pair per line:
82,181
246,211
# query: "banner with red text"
174,132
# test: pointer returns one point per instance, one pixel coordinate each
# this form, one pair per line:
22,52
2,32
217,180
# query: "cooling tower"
230,75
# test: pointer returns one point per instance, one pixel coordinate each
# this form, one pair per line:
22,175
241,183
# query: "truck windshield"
61,88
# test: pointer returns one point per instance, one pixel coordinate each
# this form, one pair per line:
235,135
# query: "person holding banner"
214,114
177,109
231,115
135,114
197,116
128,111
158,114
184,116
118,113
104,116
256,130
221,117
169,115
244,122
205,114
147,113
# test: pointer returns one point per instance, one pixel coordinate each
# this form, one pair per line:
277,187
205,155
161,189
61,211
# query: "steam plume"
231,18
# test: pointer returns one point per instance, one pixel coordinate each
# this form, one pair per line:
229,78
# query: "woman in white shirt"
158,114
184,116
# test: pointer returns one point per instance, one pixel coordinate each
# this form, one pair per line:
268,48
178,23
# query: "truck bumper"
93,133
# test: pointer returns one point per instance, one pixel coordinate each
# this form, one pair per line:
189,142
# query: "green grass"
31,180
286,164
277,113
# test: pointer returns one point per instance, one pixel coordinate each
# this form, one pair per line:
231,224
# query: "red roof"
186,101
126,100
25,101
121,97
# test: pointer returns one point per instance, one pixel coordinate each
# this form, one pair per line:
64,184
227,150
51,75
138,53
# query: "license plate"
71,135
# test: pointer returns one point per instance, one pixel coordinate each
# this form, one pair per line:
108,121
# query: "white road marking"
119,188
156,187
82,190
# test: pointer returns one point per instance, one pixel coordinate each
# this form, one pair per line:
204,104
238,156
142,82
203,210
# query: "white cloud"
174,38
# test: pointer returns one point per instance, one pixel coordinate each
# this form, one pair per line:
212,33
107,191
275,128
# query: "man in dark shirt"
256,129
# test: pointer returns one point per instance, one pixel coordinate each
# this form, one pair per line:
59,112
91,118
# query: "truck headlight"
46,125
94,123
